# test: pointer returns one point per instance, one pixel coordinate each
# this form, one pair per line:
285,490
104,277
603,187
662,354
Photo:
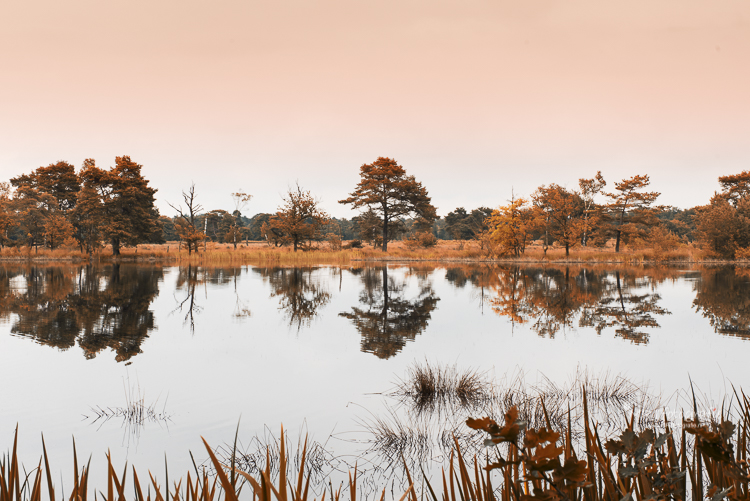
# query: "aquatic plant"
430,388
705,458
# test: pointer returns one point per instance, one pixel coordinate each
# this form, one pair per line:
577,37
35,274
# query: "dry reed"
704,459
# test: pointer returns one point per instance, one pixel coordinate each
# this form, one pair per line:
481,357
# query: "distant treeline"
55,205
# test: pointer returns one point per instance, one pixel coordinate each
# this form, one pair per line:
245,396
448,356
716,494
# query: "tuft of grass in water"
430,388
134,415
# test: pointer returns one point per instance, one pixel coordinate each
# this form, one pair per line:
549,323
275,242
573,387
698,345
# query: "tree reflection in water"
190,277
722,295
300,293
386,320
95,307
551,299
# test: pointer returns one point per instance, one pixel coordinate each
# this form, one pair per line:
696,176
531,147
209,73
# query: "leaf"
508,433
660,441
547,452
536,437
627,471
572,471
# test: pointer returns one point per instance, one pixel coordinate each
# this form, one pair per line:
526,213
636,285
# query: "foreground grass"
706,459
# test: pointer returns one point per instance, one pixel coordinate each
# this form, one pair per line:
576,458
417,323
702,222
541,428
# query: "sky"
476,99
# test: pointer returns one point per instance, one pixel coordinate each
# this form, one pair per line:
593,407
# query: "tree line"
92,207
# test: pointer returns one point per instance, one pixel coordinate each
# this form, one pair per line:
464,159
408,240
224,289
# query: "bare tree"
241,200
186,224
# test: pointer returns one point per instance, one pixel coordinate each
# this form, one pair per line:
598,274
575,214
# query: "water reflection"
100,307
386,319
722,295
550,299
190,277
301,293
94,307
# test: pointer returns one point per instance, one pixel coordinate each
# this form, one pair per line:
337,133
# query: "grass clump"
434,387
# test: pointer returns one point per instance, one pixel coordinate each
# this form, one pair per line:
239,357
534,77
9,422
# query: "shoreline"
131,259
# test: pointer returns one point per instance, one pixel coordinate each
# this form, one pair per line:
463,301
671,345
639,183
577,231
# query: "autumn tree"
369,228
121,202
6,214
86,215
186,226
31,210
723,228
631,207
299,219
216,224
58,180
57,229
510,226
386,190
561,211
735,187
588,189
168,231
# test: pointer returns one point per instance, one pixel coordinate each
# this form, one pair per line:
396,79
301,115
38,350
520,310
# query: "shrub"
422,239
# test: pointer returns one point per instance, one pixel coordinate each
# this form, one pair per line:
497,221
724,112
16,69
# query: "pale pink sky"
472,97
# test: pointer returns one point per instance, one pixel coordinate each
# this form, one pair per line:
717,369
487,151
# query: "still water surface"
314,348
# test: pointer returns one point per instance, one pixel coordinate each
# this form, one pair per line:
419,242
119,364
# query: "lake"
323,349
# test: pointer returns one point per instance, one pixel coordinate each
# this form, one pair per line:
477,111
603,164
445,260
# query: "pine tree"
386,190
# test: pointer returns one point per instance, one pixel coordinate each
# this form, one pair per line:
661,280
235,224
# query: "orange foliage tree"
6,213
121,202
387,192
561,211
631,208
591,217
510,227
299,218
723,226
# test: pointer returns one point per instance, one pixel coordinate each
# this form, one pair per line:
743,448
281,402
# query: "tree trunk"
295,244
567,249
622,219
115,246
385,233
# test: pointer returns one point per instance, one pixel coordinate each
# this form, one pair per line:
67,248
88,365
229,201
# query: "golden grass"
451,250
445,250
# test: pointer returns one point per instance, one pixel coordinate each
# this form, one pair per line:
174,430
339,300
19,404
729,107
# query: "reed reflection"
94,307
551,299
300,291
386,319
